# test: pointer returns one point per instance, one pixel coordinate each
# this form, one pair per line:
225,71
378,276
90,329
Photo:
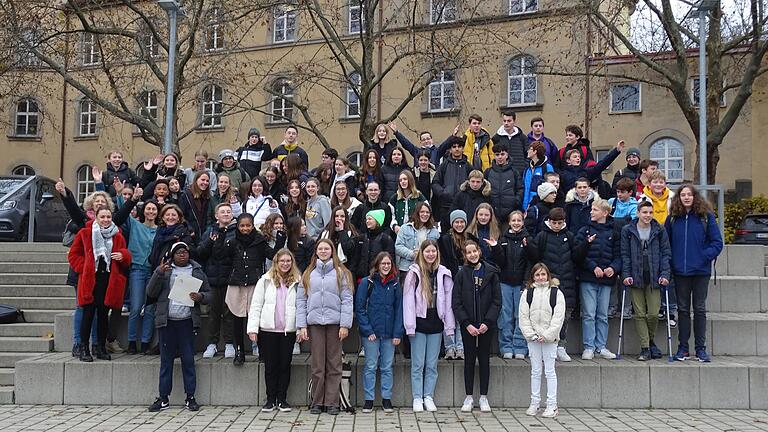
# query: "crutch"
669,329
621,322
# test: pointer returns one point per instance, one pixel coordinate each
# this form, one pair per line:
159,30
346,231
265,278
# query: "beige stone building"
54,130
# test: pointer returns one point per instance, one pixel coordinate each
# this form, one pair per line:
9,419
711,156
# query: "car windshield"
7,185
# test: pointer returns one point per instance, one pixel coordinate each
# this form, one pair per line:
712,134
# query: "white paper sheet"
182,286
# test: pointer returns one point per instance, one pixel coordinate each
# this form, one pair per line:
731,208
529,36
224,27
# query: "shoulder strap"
368,290
613,206
583,151
529,296
553,298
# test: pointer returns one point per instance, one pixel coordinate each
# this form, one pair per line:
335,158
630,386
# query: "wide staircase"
737,337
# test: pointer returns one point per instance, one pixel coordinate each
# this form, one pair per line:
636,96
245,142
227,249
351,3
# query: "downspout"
64,99
380,59
587,86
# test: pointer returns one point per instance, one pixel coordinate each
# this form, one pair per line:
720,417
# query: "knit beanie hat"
458,214
545,189
253,131
633,151
377,215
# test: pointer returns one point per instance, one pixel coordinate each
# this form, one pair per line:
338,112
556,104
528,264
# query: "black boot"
239,359
102,353
85,354
132,347
76,350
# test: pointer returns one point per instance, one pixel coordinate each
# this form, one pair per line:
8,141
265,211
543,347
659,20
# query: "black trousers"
98,309
238,331
477,349
219,317
276,350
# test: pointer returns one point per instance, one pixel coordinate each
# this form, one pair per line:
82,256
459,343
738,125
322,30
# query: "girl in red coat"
100,257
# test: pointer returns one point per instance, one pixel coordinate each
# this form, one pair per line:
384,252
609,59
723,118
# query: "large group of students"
487,237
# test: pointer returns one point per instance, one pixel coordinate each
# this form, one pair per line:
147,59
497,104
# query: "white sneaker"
532,410
519,356
296,349
418,405
484,405
125,309
229,351
450,354
508,356
562,355
550,412
429,404
210,351
468,404
588,354
362,352
606,354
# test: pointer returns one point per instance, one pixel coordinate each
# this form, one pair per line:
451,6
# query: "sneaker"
296,348
468,404
702,356
672,321
210,351
333,410
484,405
450,354
655,352
532,410
132,349
460,354
159,404
550,412
607,354
142,311
284,406
315,410
386,404
76,350
362,352
588,354
368,407
429,404
662,315
627,316
562,355
124,309
519,356
191,404
268,407
114,347
612,312
229,351
645,354
682,354
508,356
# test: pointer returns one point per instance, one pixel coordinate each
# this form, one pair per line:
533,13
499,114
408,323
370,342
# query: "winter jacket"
562,254
248,254
468,199
218,263
477,306
217,199
162,243
415,305
536,215
569,174
190,174
358,216
196,212
368,246
450,256
539,319
237,175
631,172
349,178
346,245
124,173
391,175
283,150
402,209
159,287
305,248
261,315
517,143
506,189
661,204
424,181
659,254
324,302
317,215
379,307
603,252
81,260
577,213
694,244
260,208
382,151
251,157
150,175
449,177
622,210
582,144
412,149
550,148
509,253
407,245
533,176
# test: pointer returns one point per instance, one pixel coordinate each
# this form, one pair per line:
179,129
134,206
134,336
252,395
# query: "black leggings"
238,331
98,309
276,349
477,348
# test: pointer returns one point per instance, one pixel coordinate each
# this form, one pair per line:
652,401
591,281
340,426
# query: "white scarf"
101,240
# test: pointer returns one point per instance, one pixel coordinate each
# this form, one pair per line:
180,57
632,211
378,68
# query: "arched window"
670,154
212,101
27,118
211,164
85,184
282,101
521,81
23,170
355,158
352,96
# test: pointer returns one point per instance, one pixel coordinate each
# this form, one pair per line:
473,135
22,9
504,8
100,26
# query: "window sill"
209,129
625,112
348,120
522,108
86,137
277,125
24,138
440,114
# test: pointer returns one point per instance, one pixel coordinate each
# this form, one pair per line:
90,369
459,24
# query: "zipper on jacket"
685,246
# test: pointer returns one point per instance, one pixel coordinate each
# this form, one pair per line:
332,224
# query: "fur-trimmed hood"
486,190
571,196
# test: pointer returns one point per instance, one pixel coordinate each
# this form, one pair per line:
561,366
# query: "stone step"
45,315
738,294
33,278
742,260
6,376
57,378
32,247
25,344
34,267
6,395
9,359
38,291
24,303
27,329
46,257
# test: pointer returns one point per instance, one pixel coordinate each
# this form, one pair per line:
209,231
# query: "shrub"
735,213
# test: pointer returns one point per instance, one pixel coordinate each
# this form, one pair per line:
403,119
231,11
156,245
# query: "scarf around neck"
101,240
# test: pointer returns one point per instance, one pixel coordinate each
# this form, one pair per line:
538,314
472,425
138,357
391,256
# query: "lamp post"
703,7
173,8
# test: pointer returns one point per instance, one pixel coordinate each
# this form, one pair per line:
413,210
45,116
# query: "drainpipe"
380,56
63,141
587,86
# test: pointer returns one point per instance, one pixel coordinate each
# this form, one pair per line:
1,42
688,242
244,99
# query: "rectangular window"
150,45
355,17
27,118
442,11
24,56
353,100
212,108
284,27
625,98
442,92
695,93
214,39
149,104
89,50
87,118
522,6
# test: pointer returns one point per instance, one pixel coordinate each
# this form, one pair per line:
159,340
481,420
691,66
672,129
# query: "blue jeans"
177,337
137,286
379,354
454,342
77,322
425,349
511,338
594,314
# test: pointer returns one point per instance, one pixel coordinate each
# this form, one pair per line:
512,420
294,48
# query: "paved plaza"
126,418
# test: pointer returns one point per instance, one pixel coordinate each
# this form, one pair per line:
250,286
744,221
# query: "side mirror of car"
47,196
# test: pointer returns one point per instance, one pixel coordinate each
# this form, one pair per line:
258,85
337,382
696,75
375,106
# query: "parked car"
50,214
753,230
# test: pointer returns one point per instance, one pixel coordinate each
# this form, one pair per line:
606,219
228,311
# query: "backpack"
552,297
68,236
345,403
582,149
10,314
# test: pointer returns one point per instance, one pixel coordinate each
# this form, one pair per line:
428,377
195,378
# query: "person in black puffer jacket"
538,213
391,170
597,276
171,229
374,240
449,177
473,192
299,243
557,247
506,184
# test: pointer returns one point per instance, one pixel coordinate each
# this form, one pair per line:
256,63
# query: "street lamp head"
169,5
707,5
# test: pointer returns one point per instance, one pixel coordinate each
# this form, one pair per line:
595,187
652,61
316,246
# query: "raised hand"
392,125
138,192
457,129
620,146
60,188
119,185
96,174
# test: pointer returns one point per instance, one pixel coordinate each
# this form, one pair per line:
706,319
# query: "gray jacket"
659,254
159,287
327,303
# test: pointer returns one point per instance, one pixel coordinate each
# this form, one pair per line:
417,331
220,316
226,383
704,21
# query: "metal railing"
32,204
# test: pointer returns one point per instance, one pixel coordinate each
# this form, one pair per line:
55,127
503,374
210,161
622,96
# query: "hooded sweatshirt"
661,204
517,143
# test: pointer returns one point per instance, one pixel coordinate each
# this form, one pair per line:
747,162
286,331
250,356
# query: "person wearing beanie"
255,151
537,214
375,239
228,165
458,214
631,171
177,322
